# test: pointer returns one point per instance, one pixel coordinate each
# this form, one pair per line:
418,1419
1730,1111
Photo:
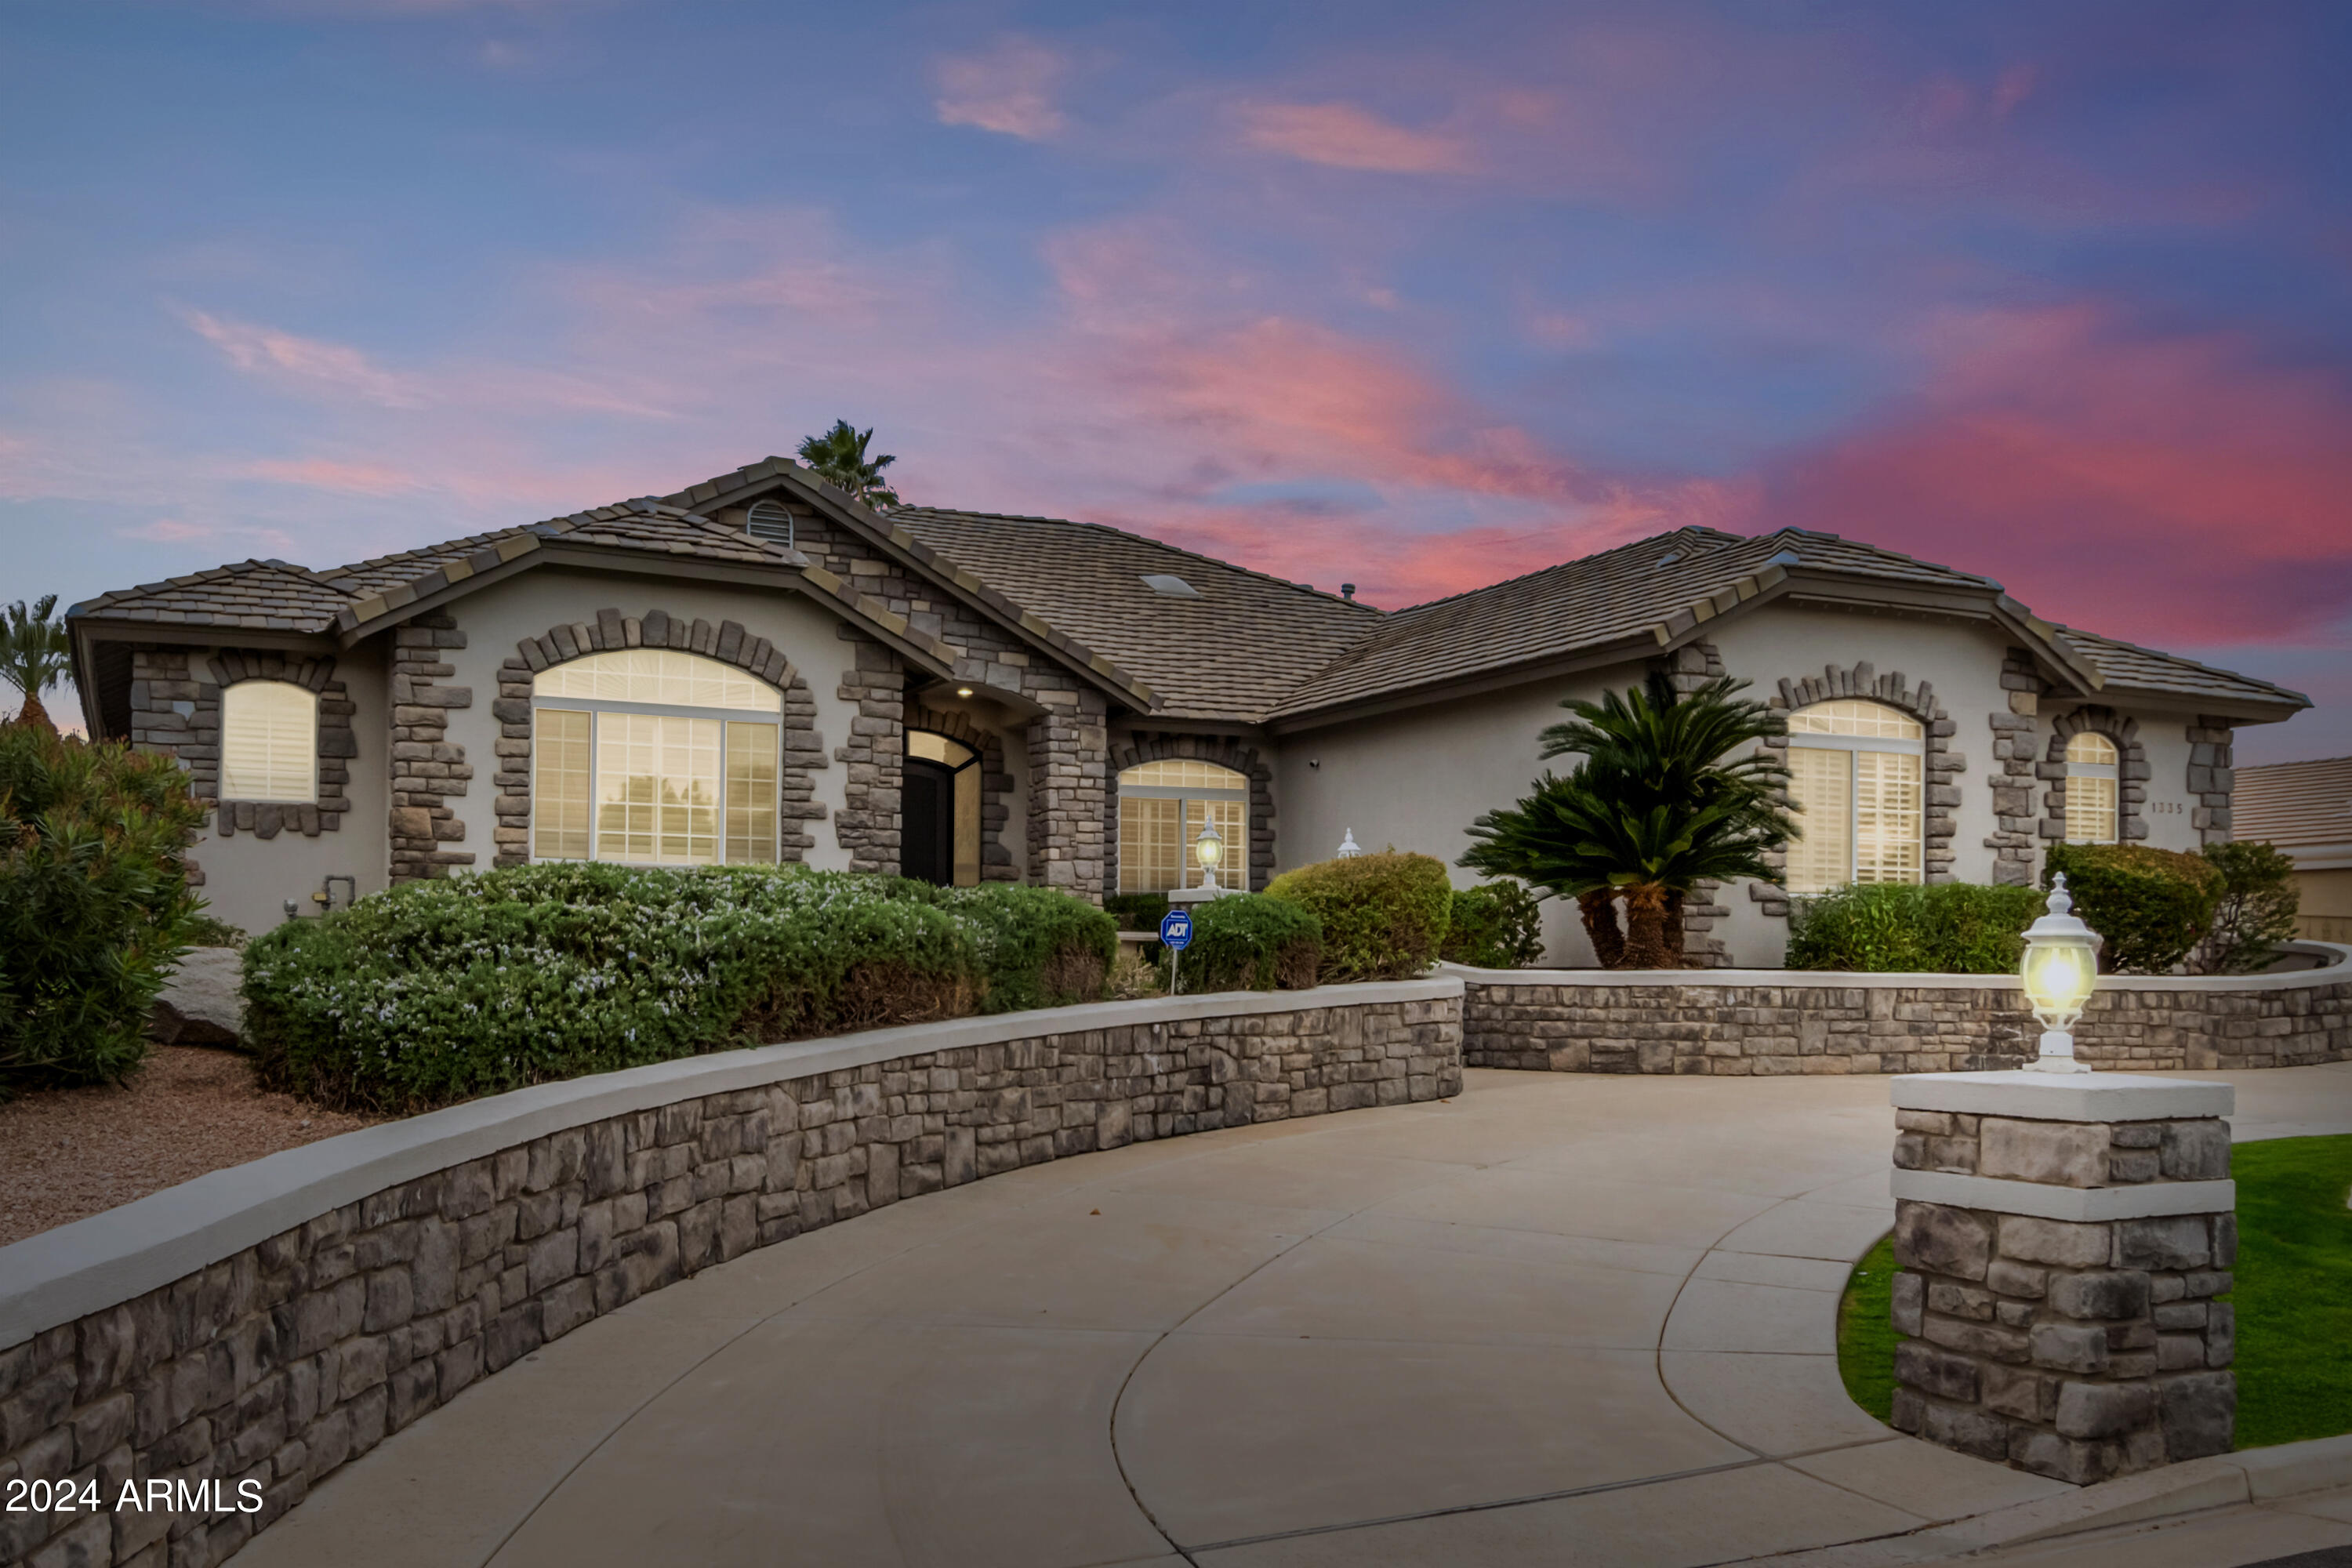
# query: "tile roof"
2131,668
1230,653
250,596
2294,803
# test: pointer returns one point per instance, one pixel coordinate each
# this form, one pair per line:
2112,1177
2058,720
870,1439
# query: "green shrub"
439,990
1948,927
1495,925
95,907
1382,916
2152,905
1037,947
1250,942
1137,912
204,931
2257,909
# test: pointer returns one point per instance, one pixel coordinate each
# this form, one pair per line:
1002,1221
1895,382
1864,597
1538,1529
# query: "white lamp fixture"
2061,969
1349,848
1207,850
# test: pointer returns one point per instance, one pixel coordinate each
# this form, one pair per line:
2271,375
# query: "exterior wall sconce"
2061,971
1349,848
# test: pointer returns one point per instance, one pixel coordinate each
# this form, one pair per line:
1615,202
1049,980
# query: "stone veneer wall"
2212,775
2018,832
1131,750
729,642
428,767
288,1358
2080,1350
875,754
1546,1022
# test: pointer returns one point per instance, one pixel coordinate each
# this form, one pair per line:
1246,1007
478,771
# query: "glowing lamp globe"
1207,850
2061,969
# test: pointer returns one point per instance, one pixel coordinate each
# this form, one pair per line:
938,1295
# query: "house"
757,668
2305,810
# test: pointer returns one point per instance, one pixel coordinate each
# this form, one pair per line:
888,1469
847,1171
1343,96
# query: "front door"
927,822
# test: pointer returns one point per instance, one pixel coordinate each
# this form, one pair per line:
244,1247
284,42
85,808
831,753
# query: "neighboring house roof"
1228,651
2299,806
2129,667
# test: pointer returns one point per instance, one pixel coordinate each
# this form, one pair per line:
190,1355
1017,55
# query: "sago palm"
839,458
34,653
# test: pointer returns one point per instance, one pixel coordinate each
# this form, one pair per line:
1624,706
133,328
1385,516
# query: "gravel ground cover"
65,1155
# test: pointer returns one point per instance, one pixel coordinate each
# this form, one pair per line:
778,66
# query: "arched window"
2091,789
1162,808
939,811
269,742
654,758
1855,770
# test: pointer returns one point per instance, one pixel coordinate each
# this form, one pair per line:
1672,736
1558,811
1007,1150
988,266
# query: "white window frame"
598,707
1233,869
1811,740
230,697
2111,772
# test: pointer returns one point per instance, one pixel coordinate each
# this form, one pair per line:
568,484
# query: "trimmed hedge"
1382,916
1495,925
2152,905
1902,928
441,991
95,909
2257,909
1249,942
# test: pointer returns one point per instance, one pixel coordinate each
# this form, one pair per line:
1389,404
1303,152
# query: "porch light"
963,691
1207,850
2061,969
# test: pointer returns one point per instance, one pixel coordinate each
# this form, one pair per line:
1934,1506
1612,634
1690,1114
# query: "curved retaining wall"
267,1323
1758,1021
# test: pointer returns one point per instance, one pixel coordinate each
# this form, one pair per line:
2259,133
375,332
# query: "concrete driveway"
1558,1319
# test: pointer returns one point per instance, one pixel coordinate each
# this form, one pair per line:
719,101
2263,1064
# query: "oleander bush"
1382,916
2153,905
2256,912
440,991
95,907
1495,925
1903,927
1249,942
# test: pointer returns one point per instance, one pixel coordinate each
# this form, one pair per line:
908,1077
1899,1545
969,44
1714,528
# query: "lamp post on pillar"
2061,971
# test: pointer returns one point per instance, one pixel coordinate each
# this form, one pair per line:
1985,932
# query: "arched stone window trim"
2132,772
996,864
1226,753
337,745
1942,763
729,642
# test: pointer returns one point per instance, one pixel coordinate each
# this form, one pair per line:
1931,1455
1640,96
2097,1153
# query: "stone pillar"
2060,1240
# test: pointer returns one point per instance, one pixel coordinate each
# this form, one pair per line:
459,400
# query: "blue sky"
1413,296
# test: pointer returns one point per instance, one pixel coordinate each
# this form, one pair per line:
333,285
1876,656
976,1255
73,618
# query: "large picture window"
2090,798
1163,807
654,758
1855,770
269,742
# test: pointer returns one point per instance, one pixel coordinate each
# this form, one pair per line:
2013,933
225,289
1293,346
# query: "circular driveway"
1559,1318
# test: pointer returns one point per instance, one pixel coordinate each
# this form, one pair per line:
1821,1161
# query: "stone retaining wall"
287,1355
1745,1021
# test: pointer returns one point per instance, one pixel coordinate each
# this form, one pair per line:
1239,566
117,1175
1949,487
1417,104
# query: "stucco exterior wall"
2169,810
498,617
247,879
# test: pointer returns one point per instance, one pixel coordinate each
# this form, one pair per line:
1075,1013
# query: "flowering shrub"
441,991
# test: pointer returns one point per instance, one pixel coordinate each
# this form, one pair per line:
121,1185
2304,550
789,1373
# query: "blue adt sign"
1176,929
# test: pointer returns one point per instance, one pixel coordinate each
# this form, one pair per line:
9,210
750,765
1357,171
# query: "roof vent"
1169,586
1668,558
773,521
1348,592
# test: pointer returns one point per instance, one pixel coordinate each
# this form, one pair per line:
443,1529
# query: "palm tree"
1656,806
839,458
34,652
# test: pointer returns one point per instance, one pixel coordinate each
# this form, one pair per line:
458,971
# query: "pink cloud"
1343,136
346,479
2167,489
312,364
1008,90
169,530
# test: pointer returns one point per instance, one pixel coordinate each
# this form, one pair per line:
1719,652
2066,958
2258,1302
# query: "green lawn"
2294,1297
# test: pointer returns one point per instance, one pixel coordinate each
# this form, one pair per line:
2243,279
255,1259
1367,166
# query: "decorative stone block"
2056,1305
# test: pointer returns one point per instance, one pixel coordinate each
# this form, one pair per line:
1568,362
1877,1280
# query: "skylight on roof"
1170,584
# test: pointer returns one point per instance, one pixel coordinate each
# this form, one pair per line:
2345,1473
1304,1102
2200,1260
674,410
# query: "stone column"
2061,1241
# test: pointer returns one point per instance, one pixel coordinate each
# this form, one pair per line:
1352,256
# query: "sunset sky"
1413,296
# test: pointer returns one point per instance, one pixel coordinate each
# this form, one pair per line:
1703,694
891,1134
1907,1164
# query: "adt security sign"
1176,929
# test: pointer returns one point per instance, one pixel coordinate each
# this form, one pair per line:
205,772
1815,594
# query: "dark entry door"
927,822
